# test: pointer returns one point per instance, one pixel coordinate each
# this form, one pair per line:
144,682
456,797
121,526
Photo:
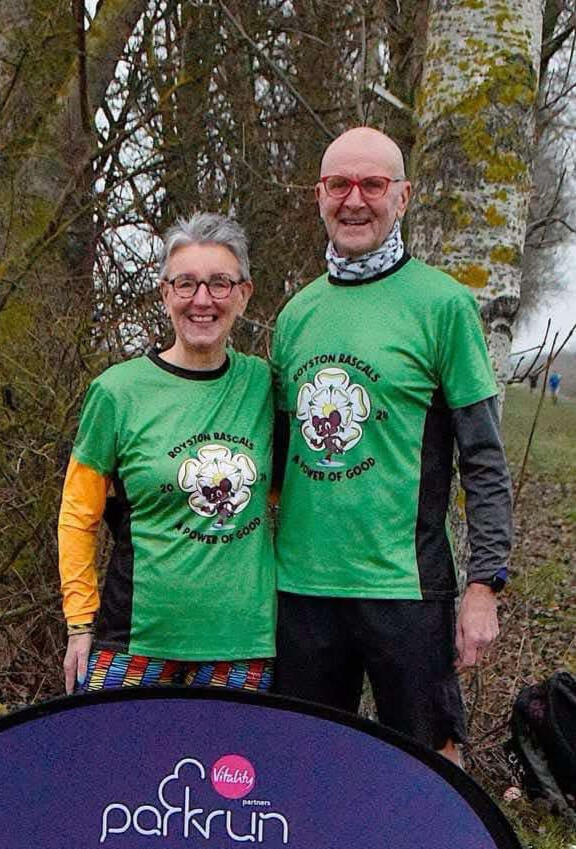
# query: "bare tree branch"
520,481
545,222
391,98
279,73
552,45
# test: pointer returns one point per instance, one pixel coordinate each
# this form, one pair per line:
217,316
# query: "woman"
185,437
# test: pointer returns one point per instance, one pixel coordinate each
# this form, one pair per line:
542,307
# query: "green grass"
540,585
553,451
543,570
538,829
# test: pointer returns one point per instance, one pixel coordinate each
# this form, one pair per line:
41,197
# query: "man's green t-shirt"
192,576
368,373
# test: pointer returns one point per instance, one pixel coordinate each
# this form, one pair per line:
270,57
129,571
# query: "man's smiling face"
354,225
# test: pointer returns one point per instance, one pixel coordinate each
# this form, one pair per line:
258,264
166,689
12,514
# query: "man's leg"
408,649
315,658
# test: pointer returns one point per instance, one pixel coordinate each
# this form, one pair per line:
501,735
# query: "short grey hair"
204,228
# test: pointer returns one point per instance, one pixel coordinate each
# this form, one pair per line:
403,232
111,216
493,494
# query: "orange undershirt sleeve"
83,502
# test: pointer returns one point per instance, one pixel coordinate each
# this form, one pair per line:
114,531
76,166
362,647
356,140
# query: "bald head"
363,144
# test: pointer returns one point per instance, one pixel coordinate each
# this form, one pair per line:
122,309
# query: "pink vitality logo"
232,776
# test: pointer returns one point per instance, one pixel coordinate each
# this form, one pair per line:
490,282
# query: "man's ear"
318,195
403,199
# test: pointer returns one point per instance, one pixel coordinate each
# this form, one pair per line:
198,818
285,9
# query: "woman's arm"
83,502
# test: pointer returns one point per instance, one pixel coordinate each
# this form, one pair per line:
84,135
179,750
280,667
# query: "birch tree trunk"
474,150
473,157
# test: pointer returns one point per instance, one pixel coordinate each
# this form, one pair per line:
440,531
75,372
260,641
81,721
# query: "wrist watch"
498,581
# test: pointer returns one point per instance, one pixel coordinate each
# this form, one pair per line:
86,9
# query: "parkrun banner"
174,768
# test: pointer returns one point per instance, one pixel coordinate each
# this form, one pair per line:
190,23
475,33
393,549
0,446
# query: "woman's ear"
246,290
163,287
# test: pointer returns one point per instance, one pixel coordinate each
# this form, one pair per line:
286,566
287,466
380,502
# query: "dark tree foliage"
116,118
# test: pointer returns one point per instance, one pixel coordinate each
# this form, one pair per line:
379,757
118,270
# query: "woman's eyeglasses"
219,285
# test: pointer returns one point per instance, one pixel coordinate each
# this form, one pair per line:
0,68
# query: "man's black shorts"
324,645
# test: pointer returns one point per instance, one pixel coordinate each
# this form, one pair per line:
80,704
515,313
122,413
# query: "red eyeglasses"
372,188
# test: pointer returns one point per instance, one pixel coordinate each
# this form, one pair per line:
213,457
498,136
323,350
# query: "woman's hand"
76,660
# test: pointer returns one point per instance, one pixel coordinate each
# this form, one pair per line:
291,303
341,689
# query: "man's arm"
486,482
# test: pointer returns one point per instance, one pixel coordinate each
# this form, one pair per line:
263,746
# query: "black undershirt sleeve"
280,449
486,482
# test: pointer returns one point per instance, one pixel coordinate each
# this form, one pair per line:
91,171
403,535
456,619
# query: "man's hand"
76,660
477,625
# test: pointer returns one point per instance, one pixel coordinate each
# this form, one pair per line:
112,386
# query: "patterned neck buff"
367,265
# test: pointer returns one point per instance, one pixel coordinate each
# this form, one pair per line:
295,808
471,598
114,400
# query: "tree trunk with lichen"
46,173
47,147
472,158
473,155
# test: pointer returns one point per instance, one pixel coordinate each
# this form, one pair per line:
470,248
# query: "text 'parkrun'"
178,814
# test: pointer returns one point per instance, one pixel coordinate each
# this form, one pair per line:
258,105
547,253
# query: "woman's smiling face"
203,323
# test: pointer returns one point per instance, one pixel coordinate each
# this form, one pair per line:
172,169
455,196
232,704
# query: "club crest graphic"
218,482
331,410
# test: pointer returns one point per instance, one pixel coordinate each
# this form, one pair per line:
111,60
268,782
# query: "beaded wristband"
82,628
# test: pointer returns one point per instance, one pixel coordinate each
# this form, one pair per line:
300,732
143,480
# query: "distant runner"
554,384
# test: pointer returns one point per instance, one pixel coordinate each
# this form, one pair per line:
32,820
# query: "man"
554,384
379,364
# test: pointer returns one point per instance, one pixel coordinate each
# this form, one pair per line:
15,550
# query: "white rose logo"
218,482
331,410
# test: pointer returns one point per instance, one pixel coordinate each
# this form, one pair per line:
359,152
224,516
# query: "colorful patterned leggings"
109,669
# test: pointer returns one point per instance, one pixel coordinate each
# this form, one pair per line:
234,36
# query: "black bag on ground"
543,726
